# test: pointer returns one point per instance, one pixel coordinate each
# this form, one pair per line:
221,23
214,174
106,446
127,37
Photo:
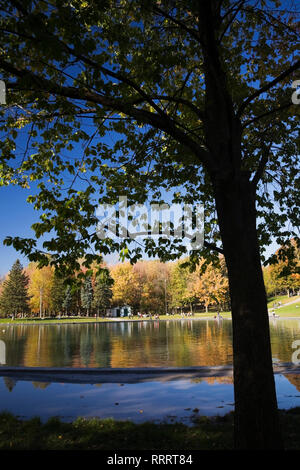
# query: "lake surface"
134,344
175,343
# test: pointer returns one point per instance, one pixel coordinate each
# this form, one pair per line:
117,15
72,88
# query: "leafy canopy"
107,98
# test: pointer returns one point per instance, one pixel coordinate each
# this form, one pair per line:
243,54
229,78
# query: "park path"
288,303
291,302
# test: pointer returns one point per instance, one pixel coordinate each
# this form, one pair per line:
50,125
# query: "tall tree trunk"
256,414
41,302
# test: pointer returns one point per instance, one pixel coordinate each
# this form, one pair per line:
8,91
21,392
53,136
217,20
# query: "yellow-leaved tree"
126,288
154,279
40,285
211,286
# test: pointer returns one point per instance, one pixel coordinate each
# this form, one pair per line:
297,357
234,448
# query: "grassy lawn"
95,434
108,434
292,310
279,298
289,311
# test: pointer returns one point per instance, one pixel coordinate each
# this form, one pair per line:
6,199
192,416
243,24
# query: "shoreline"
102,320
120,320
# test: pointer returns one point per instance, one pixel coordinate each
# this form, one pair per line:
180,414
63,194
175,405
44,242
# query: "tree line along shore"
150,288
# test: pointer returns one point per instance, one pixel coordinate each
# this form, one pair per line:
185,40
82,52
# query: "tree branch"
213,247
268,86
18,5
164,123
267,113
239,6
262,165
192,32
144,97
183,101
91,63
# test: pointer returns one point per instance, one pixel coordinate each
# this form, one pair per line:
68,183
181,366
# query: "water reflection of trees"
123,344
180,343
10,383
283,333
215,380
294,380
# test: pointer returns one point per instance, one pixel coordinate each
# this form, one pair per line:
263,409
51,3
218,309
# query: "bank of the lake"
54,320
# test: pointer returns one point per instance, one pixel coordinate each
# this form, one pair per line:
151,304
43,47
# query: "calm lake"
175,343
134,344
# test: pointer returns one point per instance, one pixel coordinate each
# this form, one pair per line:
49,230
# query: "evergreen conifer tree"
14,298
58,291
68,299
87,295
102,291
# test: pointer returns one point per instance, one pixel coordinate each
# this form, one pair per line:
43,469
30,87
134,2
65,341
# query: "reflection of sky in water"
288,396
138,402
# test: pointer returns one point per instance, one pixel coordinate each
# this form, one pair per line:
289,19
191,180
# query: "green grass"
95,434
108,434
289,311
279,298
212,314
292,310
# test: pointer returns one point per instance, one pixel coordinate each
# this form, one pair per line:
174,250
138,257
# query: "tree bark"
256,415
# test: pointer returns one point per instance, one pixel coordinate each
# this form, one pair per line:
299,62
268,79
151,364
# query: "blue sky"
16,218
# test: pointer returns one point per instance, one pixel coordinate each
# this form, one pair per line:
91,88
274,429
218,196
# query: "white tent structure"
123,311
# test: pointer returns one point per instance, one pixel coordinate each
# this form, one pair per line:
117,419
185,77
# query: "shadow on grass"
95,434
108,434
